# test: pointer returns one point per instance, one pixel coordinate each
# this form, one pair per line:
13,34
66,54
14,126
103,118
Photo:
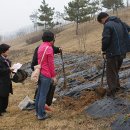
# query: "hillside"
68,112
88,40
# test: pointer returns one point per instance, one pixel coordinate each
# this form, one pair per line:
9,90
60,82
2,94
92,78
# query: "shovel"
65,81
101,91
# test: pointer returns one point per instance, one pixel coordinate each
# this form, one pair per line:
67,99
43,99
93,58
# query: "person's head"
48,36
4,49
102,17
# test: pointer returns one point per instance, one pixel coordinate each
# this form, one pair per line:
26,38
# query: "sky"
14,14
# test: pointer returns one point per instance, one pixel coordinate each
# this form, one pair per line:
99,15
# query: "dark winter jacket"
5,81
35,61
114,37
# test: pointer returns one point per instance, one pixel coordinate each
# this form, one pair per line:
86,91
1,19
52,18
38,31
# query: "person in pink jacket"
47,73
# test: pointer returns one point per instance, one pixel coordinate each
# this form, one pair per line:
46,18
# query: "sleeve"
106,37
56,49
34,59
51,62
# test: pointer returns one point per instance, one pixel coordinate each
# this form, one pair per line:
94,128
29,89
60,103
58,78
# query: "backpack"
19,76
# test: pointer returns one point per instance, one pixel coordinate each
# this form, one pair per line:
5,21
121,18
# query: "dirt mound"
78,104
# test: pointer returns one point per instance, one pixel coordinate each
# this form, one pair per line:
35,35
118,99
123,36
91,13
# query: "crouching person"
5,80
47,73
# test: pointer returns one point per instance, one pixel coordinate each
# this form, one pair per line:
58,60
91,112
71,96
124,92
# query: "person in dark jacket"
34,62
5,81
114,46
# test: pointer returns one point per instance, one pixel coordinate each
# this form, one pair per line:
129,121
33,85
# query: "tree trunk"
127,3
77,19
77,27
113,10
116,11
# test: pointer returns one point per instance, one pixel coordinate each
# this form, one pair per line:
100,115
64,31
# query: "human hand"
60,49
103,53
11,69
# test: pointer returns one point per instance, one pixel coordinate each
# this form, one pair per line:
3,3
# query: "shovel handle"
104,63
65,82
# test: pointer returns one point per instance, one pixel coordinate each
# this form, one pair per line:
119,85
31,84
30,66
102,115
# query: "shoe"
47,108
43,118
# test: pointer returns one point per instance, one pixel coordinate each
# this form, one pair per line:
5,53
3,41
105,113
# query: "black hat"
48,36
101,16
4,48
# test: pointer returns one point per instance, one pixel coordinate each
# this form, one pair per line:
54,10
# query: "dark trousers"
3,103
112,69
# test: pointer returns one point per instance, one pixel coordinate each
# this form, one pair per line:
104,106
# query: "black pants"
112,69
3,103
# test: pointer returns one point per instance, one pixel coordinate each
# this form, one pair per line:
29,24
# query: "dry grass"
91,31
68,113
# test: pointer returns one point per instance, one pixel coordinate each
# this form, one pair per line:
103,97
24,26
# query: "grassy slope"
67,113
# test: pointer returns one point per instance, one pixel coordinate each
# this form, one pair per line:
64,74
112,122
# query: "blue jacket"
114,37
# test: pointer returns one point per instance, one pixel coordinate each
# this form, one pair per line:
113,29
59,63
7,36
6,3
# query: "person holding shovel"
114,45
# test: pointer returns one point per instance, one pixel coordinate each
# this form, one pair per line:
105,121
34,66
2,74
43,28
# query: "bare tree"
34,18
127,3
77,18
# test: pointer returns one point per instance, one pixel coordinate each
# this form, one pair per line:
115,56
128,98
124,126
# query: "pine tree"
46,16
95,6
78,11
113,4
58,17
34,18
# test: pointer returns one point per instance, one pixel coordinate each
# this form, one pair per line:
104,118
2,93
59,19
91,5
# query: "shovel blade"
100,91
